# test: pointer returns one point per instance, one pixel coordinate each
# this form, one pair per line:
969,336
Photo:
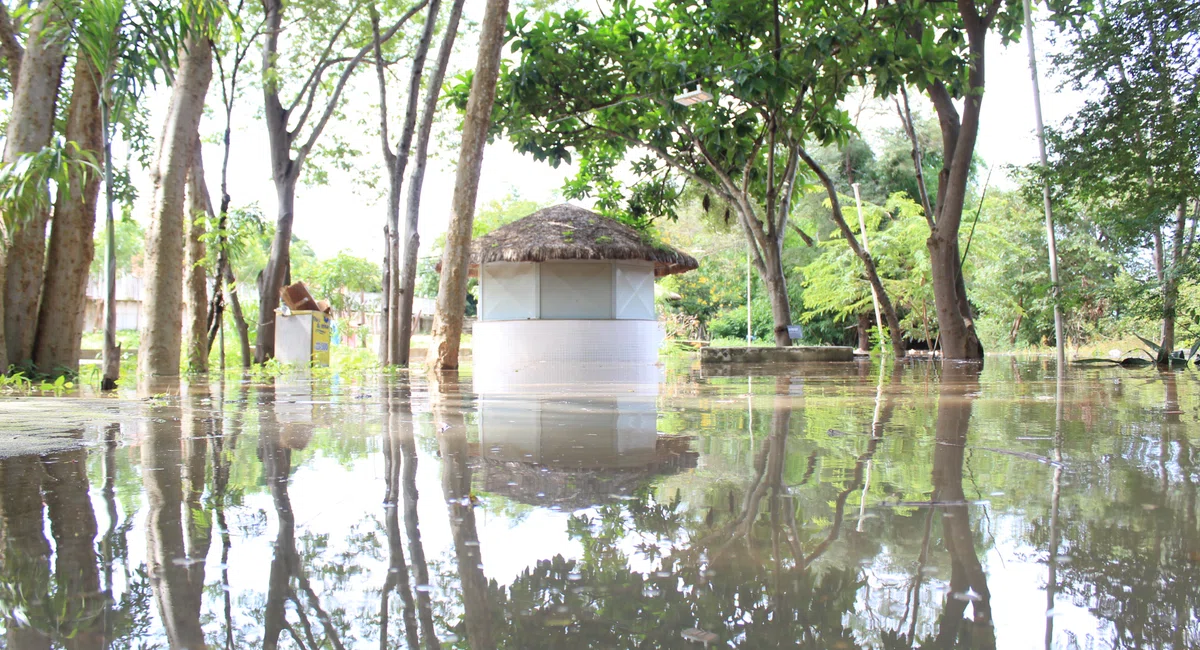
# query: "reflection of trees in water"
288,582
968,581
400,469
751,574
456,488
1129,533
67,607
176,584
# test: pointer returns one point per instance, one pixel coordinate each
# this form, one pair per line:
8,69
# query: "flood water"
833,506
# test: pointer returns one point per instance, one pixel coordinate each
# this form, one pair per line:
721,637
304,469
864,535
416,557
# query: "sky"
345,215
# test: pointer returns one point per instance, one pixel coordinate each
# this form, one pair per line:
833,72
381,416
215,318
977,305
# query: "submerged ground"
835,506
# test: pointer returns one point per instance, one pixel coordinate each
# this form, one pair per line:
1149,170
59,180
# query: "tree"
452,287
30,129
289,143
195,277
127,47
1129,156
779,73
161,333
224,280
69,255
940,48
409,237
396,162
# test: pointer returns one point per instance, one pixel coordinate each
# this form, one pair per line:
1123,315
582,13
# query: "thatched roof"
568,232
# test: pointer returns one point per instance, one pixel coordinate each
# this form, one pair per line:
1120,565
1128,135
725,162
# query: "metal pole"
1051,244
862,227
749,289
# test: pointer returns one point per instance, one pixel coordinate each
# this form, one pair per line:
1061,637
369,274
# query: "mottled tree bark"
452,288
64,292
30,127
195,291
162,303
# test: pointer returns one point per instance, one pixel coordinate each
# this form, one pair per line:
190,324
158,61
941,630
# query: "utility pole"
1051,244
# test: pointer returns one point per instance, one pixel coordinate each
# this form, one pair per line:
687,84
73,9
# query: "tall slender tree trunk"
452,288
956,318
111,360
278,268
162,327
1051,241
64,293
195,291
30,127
1170,278
411,239
397,163
239,319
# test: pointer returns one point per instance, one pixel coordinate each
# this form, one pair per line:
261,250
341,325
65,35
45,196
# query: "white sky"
343,215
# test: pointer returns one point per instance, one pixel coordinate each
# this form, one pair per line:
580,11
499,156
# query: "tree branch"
388,157
910,129
808,241
332,102
314,77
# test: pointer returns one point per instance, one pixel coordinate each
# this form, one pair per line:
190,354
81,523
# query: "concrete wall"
503,348
763,355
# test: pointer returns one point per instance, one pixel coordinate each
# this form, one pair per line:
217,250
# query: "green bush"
731,323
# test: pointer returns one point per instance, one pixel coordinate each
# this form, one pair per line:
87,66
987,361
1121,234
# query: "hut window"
508,291
576,290
633,286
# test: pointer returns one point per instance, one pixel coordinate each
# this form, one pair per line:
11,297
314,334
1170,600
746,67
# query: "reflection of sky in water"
544,456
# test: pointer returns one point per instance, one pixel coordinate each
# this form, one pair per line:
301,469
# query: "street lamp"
697,96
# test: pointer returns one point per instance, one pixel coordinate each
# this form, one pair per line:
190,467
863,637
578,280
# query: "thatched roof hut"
568,232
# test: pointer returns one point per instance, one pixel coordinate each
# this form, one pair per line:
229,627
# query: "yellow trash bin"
302,337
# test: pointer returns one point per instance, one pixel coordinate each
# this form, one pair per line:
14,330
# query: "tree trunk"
111,357
1170,277
195,292
863,328
776,284
956,320
895,333
954,328
64,294
452,288
30,127
411,239
397,163
162,302
278,268
239,320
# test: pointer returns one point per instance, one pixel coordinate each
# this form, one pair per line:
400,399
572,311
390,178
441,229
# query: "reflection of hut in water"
567,285
574,451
